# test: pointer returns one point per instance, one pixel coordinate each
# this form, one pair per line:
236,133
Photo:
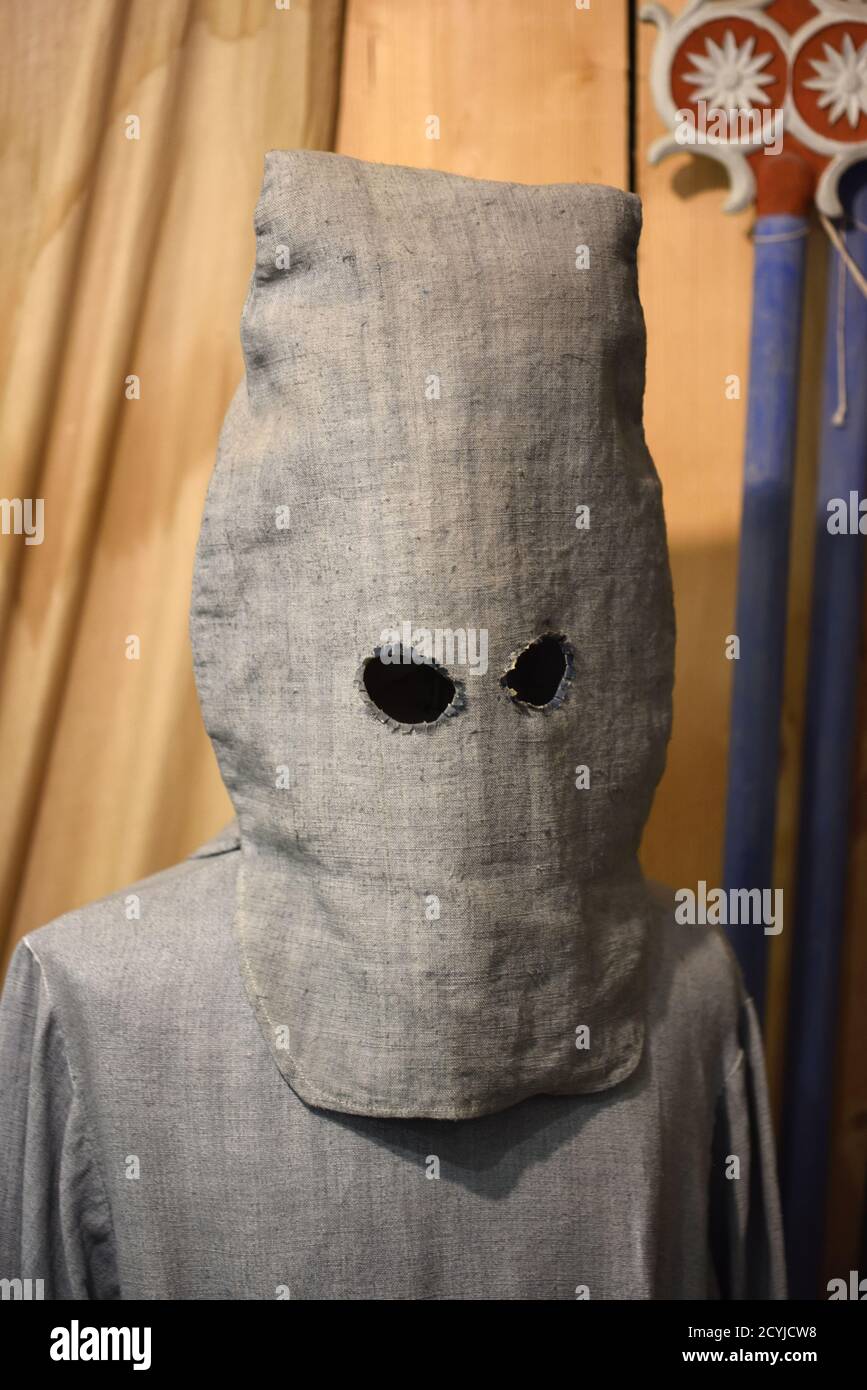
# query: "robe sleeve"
55,1220
745,1221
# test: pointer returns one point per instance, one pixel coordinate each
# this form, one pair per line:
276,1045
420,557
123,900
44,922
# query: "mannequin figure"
415,1026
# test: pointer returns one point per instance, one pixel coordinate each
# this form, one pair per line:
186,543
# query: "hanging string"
839,416
838,242
844,263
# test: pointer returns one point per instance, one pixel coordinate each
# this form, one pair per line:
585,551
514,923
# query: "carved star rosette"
788,74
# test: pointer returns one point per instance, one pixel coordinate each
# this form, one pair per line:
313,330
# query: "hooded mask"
434,894
433,636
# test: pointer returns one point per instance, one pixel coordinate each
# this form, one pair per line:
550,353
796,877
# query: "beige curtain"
123,257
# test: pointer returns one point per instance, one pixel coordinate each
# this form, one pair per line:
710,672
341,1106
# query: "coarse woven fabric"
149,1145
439,372
150,1149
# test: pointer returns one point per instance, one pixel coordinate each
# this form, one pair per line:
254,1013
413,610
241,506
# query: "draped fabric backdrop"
124,257
131,257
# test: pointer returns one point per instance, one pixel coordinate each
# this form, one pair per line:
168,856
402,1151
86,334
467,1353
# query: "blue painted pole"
778,284
829,738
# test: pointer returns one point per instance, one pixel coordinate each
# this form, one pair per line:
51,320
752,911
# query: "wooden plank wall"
542,93
537,93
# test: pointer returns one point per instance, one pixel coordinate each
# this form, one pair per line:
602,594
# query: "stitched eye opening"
539,674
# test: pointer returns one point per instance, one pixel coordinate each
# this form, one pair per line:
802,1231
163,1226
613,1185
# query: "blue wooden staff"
778,284
829,740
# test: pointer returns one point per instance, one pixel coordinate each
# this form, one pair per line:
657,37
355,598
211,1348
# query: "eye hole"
538,676
408,691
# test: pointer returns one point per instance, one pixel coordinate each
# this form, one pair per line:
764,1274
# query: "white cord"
844,263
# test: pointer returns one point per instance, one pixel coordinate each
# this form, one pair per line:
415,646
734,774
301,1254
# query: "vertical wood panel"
695,274
532,92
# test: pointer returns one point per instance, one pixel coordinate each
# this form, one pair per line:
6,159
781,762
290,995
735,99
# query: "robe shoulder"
145,933
696,992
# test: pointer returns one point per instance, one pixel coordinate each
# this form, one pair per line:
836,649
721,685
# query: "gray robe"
151,1149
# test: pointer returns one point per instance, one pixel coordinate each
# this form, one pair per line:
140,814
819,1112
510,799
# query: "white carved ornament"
729,76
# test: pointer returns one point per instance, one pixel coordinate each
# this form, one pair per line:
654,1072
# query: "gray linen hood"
440,371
